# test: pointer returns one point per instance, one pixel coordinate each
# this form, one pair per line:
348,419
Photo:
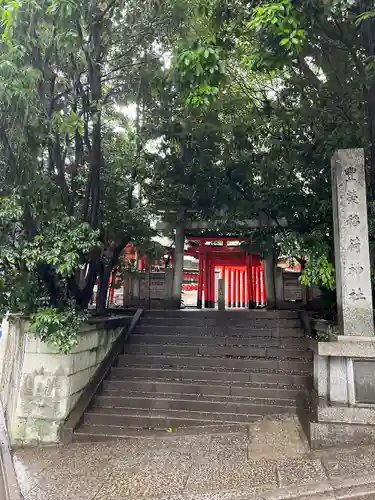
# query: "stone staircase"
192,370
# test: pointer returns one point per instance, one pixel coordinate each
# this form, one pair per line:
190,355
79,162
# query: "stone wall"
38,385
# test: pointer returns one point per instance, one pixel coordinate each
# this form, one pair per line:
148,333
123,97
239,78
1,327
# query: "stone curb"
331,489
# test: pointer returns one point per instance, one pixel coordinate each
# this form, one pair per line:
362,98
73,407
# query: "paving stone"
222,448
314,496
300,470
318,496
276,438
138,458
61,468
204,467
68,490
37,494
322,491
128,482
159,473
171,442
255,494
214,476
166,484
350,462
36,459
354,487
370,496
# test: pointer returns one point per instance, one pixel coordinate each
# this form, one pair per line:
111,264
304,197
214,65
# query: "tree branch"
110,6
308,73
7,148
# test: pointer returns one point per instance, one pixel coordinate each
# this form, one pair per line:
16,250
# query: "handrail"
76,415
9,489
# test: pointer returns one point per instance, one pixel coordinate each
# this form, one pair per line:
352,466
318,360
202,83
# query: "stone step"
94,433
202,350
198,371
210,375
250,363
201,404
164,419
232,323
156,387
186,330
202,388
219,340
220,315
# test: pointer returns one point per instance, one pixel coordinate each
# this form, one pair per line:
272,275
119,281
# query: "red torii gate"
243,272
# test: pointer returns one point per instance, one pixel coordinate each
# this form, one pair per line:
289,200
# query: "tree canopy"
237,108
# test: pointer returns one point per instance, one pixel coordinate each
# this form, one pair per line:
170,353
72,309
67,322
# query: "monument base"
343,398
326,434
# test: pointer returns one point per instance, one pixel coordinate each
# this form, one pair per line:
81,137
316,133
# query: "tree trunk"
178,265
94,58
101,297
84,296
371,120
105,274
368,39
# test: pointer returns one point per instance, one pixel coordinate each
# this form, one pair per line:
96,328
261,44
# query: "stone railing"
39,386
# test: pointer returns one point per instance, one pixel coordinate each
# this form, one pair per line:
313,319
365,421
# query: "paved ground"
269,460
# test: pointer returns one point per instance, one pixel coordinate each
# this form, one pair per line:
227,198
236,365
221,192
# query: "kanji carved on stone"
354,245
353,220
357,294
352,196
355,269
350,174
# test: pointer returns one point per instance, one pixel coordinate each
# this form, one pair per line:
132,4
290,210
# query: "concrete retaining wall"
38,385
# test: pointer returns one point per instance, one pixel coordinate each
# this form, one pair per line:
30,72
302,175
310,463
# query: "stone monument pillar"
344,366
352,258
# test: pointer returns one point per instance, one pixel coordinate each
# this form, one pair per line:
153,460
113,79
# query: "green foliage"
242,125
34,274
313,251
318,271
281,20
69,160
58,328
296,89
61,244
10,211
364,16
314,255
200,72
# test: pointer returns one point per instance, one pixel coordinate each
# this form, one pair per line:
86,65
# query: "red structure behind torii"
243,272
